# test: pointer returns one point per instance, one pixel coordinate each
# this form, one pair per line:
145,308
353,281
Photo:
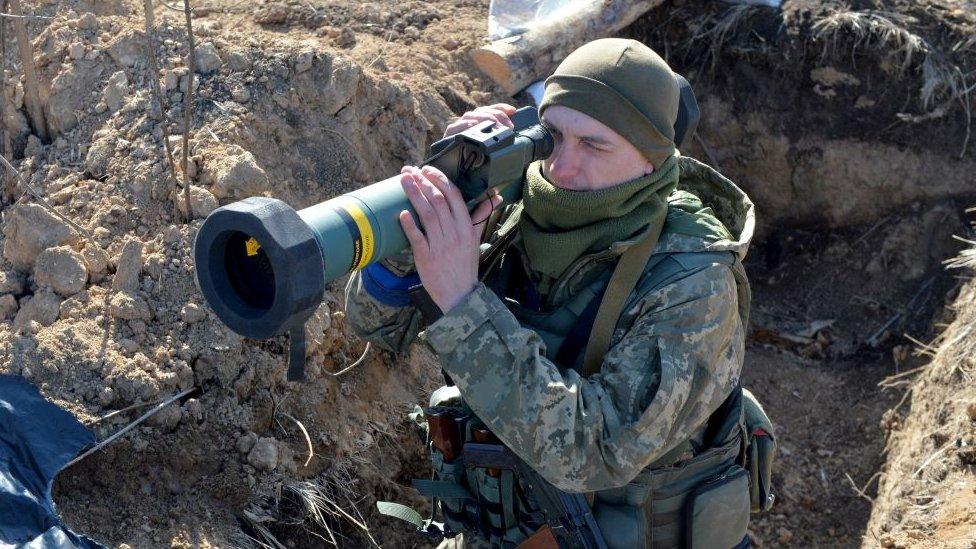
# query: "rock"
87,21
784,536
43,308
191,313
129,306
171,80
106,396
97,261
238,61
194,409
129,267
303,62
63,269
240,94
206,59
115,91
76,50
99,155
11,282
168,418
8,306
246,442
202,202
29,230
237,175
128,346
971,411
264,455
346,38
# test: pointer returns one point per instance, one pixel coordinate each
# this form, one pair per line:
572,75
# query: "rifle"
569,523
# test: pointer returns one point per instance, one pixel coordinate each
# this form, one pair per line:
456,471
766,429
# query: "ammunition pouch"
759,451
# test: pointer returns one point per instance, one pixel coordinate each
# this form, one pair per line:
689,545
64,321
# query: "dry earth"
859,183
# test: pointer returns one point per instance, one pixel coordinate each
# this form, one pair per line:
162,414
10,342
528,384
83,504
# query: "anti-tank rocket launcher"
262,266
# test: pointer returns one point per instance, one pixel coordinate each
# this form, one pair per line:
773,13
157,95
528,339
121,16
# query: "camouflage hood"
707,213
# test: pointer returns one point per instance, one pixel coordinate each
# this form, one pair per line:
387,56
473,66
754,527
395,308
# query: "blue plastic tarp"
37,439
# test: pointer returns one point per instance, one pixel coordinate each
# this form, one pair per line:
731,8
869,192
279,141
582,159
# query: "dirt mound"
108,318
927,491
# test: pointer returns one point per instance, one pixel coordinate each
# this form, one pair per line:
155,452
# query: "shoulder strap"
622,282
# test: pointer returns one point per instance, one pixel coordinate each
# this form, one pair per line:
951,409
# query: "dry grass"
943,82
720,31
316,507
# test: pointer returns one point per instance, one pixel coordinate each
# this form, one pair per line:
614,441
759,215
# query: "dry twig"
860,491
130,426
188,107
353,365
5,138
158,96
930,459
32,97
47,205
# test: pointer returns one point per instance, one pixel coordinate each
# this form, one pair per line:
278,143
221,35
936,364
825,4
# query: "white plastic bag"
513,17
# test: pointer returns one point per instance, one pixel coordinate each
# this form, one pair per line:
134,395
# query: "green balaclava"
630,89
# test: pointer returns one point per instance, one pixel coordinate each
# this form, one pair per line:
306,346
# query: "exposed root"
308,439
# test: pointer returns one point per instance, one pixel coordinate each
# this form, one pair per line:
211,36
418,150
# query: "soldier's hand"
446,252
498,113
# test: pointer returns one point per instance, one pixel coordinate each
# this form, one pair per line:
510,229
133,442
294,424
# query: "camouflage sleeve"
387,319
658,383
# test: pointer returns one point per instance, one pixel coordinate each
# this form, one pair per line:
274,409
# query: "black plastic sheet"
37,439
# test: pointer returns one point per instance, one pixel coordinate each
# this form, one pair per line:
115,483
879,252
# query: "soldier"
651,429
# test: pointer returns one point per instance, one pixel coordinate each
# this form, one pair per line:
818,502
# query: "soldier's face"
588,155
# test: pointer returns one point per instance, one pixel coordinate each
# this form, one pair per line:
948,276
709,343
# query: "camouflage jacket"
675,355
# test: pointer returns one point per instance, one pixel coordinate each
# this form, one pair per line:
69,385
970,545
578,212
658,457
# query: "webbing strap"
622,282
441,489
401,512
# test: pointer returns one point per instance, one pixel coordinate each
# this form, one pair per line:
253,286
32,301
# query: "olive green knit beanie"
626,86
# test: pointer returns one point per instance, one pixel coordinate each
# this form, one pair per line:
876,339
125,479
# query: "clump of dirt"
927,492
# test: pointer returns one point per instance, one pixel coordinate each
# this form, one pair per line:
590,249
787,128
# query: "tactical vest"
678,501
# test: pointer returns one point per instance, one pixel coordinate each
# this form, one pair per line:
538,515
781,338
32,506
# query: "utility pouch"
623,526
759,453
717,511
453,509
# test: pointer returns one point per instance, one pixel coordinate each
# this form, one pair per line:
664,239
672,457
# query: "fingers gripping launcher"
262,266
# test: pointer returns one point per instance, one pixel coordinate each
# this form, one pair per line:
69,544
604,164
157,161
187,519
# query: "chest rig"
697,495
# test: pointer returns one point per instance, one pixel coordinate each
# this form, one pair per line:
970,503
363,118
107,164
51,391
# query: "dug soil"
853,143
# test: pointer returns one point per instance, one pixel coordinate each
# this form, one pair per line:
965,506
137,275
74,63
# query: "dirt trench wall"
927,491
816,112
819,180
